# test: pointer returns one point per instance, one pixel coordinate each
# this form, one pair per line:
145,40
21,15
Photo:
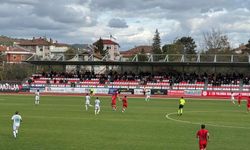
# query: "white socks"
14,133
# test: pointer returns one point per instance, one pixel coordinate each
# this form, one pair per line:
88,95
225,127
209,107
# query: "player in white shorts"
97,106
232,97
37,97
87,101
148,93
16,123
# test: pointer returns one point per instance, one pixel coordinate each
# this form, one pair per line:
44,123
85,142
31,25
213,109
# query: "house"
242,49
58,50
112,48
45,49
143,49
86,56
2,48
17,54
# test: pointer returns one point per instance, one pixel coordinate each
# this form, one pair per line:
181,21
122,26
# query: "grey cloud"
140,29
56,19
60,12
23,2
117,23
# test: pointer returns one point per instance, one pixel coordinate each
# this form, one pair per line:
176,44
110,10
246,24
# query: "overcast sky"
132,22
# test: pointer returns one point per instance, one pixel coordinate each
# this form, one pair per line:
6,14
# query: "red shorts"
125,105
203,144
113,103
248,105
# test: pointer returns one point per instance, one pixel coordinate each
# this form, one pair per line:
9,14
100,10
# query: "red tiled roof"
34,42
18,50
137,50
3,48
108,42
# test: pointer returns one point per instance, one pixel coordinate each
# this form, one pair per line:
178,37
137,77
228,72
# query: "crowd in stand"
145,77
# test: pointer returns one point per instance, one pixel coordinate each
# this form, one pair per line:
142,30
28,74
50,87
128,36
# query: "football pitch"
62,123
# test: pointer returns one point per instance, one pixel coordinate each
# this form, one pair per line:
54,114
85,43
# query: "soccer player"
147,95
37,97
248,104
203,136
124,103
239,99
97,106
113,102
144,91
16,123
232,97
87,101
181,105
91,92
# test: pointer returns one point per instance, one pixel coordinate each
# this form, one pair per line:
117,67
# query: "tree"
215,41
142,55
12,72
174,48
188,44
248,44
100,47
156,46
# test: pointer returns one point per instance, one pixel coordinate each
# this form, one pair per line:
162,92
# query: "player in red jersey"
248,104
239,99
113,102
124,103
203,136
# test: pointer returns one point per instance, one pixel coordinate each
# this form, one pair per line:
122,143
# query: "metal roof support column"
232,58
182,58
150,58
199,58
166,58
215,58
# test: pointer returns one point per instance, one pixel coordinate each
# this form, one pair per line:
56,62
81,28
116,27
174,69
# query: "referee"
181,105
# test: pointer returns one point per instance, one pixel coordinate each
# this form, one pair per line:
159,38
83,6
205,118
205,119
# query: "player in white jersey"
37,97
87,101
97,106
232,97
16,123
148,93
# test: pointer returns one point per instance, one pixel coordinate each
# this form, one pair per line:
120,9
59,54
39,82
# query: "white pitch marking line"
196,123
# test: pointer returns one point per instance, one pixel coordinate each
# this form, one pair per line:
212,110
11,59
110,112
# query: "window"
14,57
40,48
23,57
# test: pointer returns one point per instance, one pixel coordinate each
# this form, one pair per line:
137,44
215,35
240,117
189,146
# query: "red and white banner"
220,93
175,92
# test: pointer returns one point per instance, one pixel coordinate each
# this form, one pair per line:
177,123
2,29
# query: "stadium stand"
174,81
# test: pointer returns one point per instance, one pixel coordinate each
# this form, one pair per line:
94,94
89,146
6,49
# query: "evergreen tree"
156,46
188,44
100,47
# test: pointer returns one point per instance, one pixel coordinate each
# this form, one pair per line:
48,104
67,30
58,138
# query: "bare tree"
215,41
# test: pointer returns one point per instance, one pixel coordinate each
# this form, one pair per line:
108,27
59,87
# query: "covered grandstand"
163,74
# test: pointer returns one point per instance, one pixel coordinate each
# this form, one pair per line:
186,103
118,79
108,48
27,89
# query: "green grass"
61,123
